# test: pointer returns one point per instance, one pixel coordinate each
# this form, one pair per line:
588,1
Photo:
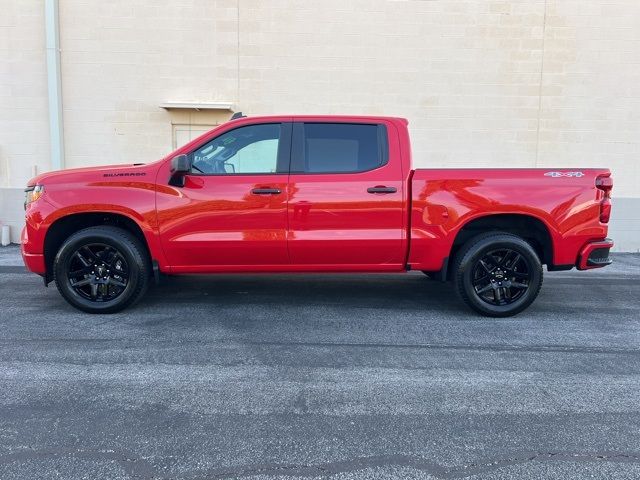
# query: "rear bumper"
595,255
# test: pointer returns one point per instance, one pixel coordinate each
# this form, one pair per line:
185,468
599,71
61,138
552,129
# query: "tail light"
605,184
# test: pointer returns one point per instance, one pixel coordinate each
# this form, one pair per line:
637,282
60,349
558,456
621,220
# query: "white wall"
485,83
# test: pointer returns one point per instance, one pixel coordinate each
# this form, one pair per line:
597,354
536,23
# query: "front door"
231,213
346,197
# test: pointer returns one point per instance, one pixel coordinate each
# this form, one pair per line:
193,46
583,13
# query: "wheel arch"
530,228
63,227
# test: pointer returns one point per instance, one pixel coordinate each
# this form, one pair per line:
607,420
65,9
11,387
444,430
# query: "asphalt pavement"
310,376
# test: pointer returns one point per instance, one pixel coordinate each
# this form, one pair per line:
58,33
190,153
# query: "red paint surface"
319,222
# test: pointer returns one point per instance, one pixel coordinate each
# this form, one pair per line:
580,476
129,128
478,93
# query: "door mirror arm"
180,167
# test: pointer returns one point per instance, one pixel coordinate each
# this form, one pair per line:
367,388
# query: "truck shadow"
372,291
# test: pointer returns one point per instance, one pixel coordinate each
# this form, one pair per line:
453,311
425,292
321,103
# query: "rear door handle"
266,191
381,189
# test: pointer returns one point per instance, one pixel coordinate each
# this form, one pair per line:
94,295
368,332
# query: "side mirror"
180,166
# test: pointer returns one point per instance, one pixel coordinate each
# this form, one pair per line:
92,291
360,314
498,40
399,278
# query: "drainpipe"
54,84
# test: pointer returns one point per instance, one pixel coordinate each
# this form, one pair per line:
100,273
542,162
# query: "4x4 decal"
564,174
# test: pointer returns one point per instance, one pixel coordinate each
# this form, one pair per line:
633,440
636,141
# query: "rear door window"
338,147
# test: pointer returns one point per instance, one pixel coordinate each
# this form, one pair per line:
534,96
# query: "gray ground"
347,377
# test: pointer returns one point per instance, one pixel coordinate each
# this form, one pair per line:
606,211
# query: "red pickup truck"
312,194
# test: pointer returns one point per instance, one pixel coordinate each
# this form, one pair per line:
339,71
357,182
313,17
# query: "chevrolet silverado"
312,194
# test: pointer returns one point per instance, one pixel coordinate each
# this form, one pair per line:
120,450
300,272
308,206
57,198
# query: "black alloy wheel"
102,269
98,272
497,274
501,276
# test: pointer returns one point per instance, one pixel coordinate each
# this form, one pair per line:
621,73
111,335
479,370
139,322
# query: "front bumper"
595,255
33,261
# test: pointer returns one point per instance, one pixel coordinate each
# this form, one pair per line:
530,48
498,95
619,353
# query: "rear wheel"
497,274
102,269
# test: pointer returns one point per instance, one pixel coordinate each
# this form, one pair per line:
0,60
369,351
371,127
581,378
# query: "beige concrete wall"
122,59
12,200
487,83
24,130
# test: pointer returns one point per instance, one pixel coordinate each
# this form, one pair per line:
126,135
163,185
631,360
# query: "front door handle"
266,191
382,189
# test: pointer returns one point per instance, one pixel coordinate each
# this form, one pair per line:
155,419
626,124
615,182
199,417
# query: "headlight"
33,194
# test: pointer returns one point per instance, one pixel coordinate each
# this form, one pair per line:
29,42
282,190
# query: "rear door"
345,206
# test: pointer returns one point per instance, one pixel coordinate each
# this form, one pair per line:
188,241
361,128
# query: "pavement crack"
140,468
489,465
134,466
417,463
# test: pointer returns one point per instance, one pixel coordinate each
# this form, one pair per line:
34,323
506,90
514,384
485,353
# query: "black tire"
494,282
102,269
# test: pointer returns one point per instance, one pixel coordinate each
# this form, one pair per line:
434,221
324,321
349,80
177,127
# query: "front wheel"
497,274
102,269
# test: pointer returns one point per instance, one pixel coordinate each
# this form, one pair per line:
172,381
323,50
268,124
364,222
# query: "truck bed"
566,201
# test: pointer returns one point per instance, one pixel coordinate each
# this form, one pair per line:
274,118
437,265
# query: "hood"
119,171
